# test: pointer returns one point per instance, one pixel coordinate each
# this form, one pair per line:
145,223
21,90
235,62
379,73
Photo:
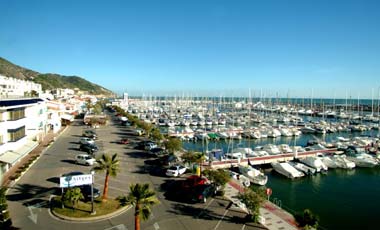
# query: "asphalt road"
28,200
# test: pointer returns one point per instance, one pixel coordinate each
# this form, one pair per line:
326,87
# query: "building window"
16,114
16,134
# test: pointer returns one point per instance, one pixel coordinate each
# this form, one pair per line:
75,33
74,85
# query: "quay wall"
265,159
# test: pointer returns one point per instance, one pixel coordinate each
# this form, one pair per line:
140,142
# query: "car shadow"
140,154
69,161
54,180
74,142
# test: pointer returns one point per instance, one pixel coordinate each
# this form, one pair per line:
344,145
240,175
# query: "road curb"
88,219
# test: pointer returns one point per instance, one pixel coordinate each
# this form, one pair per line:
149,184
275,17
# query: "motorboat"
272,149
284,148
307,170
286,132
330,163
343,162
253,174
245,181
307,130
287,170
314,162
274,133
244,151
362,160
255,134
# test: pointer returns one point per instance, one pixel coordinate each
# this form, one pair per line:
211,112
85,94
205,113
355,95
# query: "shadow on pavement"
28,191
69,161
139,154
54,180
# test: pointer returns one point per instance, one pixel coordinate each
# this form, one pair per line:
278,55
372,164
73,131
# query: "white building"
63,93
15,88
22,125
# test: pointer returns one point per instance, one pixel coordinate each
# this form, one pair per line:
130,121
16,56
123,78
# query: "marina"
317,154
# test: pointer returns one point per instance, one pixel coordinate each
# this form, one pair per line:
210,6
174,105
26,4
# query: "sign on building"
72,181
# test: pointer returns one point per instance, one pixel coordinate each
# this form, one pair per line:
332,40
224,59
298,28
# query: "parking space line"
204,209
221,219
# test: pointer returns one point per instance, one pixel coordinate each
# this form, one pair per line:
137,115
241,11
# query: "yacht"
287,170
274,133
314,162
307,130
253,174
286,132
362,160
307,170
255,134
240,178
284,148
329,162
343,162
272,149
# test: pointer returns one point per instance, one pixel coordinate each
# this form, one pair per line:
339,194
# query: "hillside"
49,80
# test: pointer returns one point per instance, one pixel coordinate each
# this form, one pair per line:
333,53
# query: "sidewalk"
275,217
35,152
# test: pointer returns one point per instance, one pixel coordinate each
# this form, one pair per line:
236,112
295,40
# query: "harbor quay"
257,161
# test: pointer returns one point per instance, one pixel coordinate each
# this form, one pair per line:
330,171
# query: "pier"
265,159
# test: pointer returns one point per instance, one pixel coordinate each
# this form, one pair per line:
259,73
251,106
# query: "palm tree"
73,195
143,199
111,166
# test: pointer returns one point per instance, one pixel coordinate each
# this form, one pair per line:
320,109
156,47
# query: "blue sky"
298,48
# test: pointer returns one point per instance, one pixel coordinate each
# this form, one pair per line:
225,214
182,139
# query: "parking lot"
41,181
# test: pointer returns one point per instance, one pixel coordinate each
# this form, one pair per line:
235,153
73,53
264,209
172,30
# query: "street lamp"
93,212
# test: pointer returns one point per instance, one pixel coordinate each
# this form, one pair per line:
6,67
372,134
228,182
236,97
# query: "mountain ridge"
50,81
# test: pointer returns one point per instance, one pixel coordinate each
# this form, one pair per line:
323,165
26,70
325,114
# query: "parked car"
86,140
200,193
157,151
142,144
89,133
150,145
139,132
176,170
85,189
124,141
193,181
89,148
168,160
84,159
188,192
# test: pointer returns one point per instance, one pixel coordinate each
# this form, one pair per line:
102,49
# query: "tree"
143,199
5,220
253,201
73,195
220,177
173,144
111,166
307,219
146,127
191,158
156,134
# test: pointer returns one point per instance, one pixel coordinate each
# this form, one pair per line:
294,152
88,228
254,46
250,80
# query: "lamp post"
93,212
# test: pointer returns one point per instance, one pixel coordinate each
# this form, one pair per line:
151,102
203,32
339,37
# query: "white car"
84,159
86,140
176,170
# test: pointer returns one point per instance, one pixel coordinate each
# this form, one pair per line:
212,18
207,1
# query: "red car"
124,141
193,181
